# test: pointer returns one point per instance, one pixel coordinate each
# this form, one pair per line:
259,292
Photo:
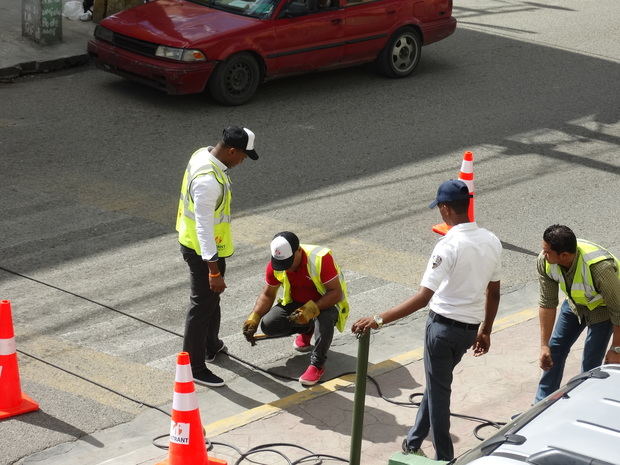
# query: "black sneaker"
209,357
208,378
411,450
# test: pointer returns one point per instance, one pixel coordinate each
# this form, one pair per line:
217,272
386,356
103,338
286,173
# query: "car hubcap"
403,53
238,78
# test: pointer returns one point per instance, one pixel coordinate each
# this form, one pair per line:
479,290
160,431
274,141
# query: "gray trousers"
276,324
444,346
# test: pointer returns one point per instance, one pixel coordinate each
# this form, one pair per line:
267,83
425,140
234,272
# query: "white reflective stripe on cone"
185,402
470,185
467,166
183,374
7,346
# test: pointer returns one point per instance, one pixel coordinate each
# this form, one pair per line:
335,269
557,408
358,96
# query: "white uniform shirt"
459,271
207,193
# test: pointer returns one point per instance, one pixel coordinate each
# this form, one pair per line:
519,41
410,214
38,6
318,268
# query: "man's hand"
217,284
482,344
364,324
612,357
304,314
545,361
250,326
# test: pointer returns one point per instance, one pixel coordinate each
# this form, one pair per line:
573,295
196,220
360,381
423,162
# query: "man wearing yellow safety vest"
589,277
203,223
314,300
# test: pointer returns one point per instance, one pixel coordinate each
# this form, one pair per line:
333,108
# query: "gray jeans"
444,346
276,324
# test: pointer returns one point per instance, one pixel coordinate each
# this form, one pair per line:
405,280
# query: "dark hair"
460,207
560,238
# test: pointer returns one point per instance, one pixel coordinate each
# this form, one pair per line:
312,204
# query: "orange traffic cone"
467,176
12,400
187,440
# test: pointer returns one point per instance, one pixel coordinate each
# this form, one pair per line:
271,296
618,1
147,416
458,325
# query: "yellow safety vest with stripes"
198,166
315,256
582,291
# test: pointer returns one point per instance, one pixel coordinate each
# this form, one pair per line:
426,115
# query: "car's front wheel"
401,54
235,80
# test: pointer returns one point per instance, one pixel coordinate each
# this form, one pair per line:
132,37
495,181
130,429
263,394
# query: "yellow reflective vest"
582,291
315,256
200,165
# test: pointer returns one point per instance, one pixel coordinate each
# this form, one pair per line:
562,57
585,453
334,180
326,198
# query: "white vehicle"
579,424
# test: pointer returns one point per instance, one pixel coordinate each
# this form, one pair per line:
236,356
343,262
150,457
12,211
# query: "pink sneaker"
301,343
311,376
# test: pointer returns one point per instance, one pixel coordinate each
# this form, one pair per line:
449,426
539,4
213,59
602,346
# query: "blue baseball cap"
451,191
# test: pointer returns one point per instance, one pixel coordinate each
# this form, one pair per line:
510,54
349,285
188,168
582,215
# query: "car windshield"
253,8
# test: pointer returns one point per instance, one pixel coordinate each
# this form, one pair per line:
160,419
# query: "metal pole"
360,397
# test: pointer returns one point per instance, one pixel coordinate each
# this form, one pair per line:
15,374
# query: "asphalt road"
91,167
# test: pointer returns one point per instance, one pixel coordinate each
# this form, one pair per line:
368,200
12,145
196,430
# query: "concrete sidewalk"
20,55
495,387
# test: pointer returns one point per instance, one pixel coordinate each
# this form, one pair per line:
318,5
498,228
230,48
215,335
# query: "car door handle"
390,12
336,21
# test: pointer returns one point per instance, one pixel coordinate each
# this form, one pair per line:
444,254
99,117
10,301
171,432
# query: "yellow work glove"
304,314
250,326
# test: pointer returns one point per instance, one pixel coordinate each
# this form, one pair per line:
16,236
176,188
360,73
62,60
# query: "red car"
230,46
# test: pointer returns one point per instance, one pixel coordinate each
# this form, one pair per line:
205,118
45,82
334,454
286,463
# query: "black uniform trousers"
202,323
445,343
276,324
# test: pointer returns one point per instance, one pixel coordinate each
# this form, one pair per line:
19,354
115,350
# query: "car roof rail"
505,439
596,373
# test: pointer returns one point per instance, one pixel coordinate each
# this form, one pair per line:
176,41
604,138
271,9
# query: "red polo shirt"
302,287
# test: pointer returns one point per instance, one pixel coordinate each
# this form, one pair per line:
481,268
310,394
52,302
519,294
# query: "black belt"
450,322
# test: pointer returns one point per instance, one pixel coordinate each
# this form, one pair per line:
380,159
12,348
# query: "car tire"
235,80
401,54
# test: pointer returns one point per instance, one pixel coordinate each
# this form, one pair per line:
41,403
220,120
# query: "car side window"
328,4
358,2
296,8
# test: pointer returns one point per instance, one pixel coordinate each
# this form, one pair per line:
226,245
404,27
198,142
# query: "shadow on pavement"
46,421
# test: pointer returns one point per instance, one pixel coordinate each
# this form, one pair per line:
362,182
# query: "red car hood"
176,23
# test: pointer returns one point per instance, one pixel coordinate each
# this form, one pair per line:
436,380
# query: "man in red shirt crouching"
314,300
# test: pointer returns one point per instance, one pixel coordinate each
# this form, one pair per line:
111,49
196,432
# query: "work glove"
250,326
304,314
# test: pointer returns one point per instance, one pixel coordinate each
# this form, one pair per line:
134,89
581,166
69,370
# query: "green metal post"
360,397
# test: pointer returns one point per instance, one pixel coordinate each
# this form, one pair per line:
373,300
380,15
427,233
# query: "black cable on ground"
89,300
139,402
412,403
243,456
128,315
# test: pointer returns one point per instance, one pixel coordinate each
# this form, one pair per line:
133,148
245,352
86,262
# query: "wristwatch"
616,349
379,321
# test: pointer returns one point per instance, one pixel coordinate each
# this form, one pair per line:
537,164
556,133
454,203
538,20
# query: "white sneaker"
87,16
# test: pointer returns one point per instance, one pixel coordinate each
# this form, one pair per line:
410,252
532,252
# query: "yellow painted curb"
273,408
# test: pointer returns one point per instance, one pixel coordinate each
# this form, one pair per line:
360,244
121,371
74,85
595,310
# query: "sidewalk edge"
10,73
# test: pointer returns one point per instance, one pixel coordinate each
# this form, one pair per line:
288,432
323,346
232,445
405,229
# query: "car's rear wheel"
401,54
235,80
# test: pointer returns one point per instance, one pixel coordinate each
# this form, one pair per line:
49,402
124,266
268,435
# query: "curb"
11,73
274,408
